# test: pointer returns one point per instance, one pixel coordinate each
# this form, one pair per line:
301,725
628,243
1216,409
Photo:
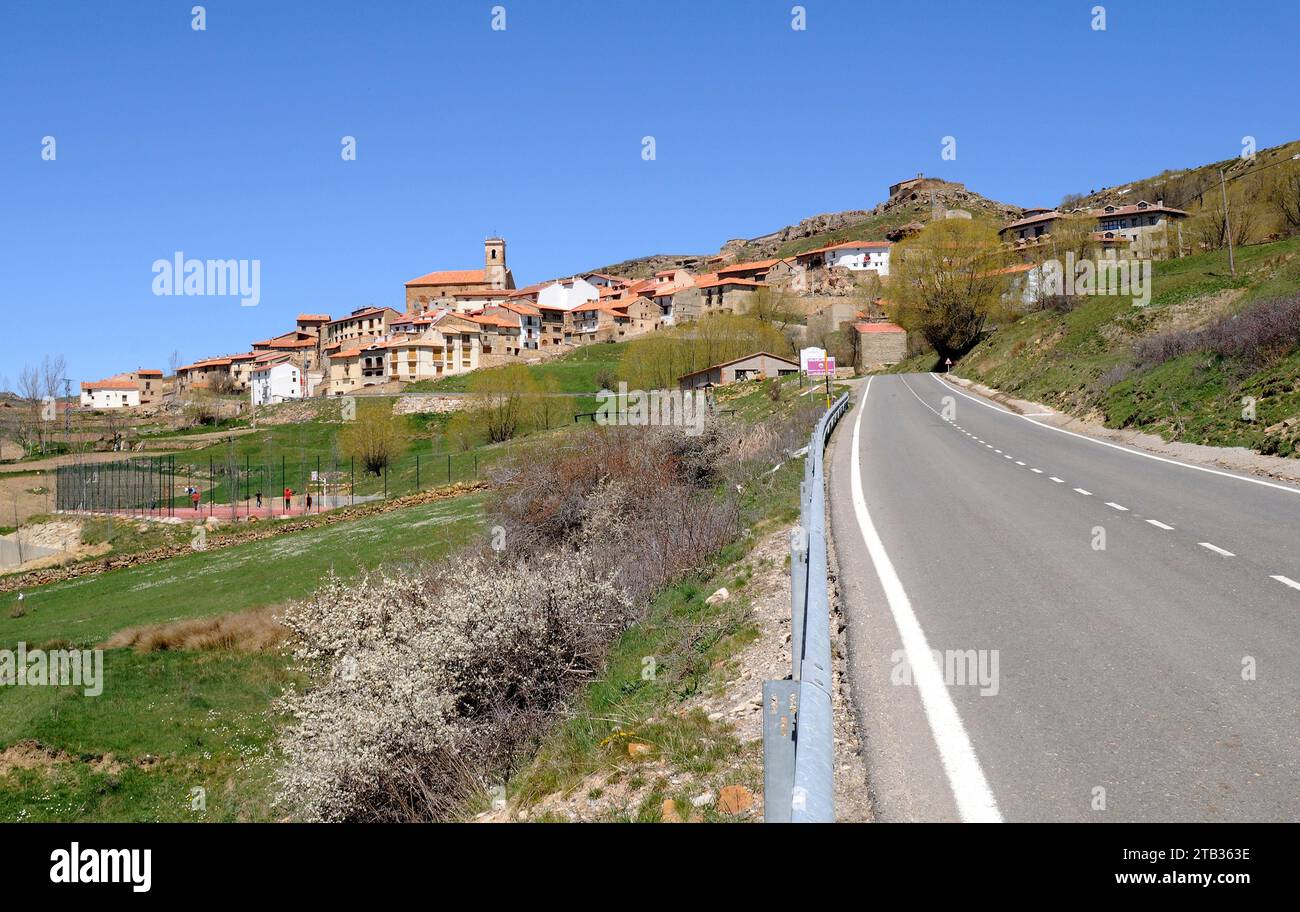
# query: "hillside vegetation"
1180,367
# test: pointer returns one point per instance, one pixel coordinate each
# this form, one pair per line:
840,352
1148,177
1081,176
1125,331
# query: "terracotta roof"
519,307
313,318
209,362
149,373
266,359
753,265
408,342
488,319
718,280
452,277
112,384
878,328
1049,216
1134,209
362,314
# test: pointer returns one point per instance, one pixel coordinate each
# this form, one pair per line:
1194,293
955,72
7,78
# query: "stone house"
726,295
760,365
362,324
880,344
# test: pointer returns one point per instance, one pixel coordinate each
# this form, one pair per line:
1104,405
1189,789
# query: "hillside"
1183,188
1180,367
913,204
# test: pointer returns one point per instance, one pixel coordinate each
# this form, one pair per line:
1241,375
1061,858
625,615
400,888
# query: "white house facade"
567,294
860,255
276,381
109,395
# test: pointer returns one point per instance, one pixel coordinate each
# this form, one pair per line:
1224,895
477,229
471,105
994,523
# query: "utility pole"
67,412
1227,225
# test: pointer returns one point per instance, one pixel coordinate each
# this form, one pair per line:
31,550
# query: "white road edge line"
975,801
1216,549
1159,525
1287,581
1116,446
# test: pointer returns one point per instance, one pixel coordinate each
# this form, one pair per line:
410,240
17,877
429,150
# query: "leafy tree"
374,438
657,361
504,400
944,284
773,305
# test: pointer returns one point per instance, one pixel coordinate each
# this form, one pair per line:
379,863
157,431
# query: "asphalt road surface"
1043,626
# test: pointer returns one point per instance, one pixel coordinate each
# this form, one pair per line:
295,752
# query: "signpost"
823,367
947,365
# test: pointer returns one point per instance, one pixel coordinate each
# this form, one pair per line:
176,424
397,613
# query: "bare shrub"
1256,336
543,491
1114,375
435,682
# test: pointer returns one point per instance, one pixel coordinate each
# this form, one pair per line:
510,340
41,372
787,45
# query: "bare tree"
30,428
1285,197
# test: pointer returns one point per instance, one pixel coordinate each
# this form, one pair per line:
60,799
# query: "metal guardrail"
798,725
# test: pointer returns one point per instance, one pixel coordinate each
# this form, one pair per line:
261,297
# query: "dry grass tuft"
248,631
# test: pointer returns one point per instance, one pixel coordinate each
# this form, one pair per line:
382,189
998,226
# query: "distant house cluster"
458,320
129,390
1141,228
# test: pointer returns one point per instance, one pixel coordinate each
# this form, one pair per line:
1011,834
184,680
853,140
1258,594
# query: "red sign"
821,367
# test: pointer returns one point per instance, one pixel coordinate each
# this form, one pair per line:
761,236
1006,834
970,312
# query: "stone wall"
879,349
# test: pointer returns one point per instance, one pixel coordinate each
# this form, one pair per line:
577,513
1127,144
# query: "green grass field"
177,720
169,722
278,455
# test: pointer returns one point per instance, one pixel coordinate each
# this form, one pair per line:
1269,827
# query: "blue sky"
225,143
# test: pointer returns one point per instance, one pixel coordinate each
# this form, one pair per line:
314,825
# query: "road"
1043,626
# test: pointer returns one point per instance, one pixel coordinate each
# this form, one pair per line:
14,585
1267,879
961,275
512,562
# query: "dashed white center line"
1159,525
1083,492
1216,549
988,446
1005,456
1287,581
1037,471
998,451
1115,506
1057,480
1019,463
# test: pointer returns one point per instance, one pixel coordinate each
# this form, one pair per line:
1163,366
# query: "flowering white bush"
434,679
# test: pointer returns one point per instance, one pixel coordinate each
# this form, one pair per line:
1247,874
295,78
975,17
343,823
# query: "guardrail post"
798,594
780,721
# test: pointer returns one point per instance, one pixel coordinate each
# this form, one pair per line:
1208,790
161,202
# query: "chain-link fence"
171,486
